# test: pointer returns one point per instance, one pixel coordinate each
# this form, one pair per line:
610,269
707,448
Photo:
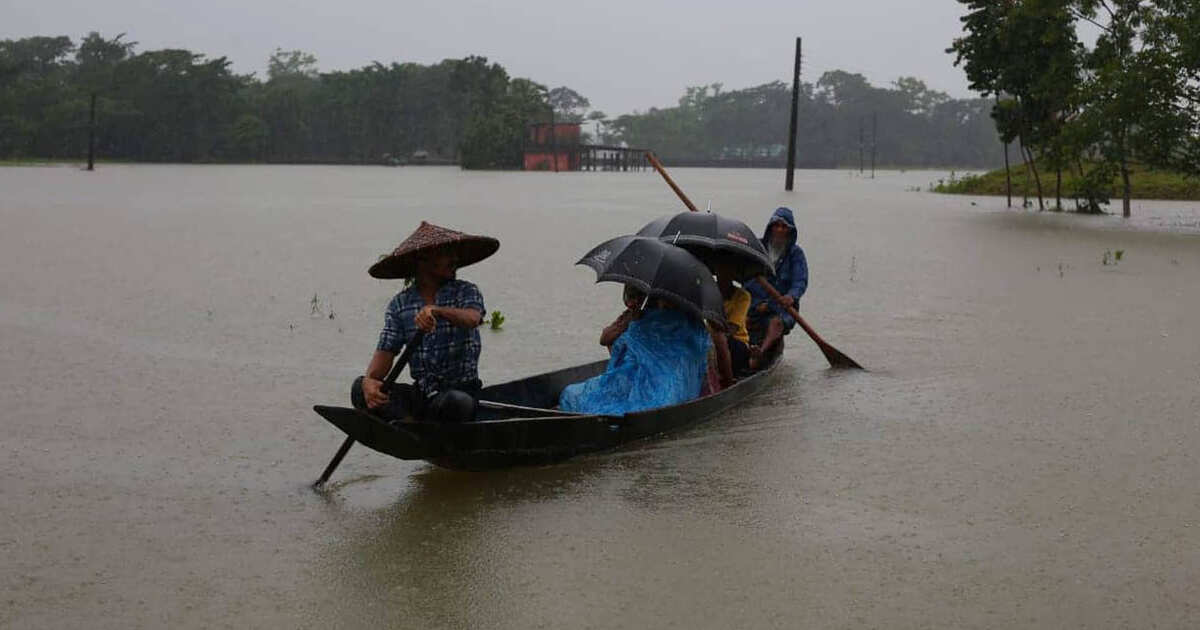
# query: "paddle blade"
837,359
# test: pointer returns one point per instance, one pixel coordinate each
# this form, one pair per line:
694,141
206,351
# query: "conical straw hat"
402,263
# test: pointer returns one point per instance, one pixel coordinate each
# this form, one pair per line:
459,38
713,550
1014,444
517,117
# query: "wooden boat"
524,433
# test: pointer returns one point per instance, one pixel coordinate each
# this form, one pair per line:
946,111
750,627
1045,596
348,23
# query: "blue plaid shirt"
447,357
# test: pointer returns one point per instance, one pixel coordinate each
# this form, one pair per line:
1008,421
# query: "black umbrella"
836,357
714,239
658,270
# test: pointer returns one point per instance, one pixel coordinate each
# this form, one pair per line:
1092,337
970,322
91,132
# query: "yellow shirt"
736,308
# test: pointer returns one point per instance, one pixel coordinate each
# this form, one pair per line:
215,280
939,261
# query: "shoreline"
1146,185
34,162
42,162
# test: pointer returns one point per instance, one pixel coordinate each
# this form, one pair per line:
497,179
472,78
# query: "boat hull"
501,439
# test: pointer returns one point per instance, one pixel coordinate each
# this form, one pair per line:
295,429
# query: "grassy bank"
1146,184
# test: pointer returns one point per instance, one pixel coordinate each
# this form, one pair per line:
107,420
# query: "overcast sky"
621,54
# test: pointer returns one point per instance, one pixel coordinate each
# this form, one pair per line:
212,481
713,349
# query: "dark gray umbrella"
714,239
658,270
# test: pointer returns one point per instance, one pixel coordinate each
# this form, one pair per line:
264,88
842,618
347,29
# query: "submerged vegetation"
1144,184
1089,110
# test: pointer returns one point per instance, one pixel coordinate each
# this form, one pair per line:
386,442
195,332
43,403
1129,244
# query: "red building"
552,147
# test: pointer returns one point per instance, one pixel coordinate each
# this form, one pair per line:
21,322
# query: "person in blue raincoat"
768,321
660,359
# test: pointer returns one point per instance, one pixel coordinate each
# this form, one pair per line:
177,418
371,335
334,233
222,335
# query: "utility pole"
874,140
92,135
860,145
791,161
553,141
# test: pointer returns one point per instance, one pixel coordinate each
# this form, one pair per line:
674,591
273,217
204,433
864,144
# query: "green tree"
291,64
178,105
1130,98
1174,37
495,131
249,137
568,104
918,126
1112,94
286,104
35,80
96,62
1029,52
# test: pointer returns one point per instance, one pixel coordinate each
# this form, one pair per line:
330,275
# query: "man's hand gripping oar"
393,374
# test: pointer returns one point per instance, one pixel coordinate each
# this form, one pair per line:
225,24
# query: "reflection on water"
1020,450
429,558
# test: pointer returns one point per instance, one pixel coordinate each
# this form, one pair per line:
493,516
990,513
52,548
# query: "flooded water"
1022,452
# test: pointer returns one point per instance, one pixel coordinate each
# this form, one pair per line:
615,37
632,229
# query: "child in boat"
659,360
731,344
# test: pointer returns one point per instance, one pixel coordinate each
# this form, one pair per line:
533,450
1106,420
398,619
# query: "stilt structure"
557,147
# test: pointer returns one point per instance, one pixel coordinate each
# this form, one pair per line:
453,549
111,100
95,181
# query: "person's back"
660,360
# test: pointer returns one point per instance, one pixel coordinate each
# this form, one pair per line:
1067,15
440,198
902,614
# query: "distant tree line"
1095,109
837,121
178,106
174,105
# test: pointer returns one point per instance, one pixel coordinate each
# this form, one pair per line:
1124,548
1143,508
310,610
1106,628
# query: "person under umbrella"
733,252
447,310
735,337
634,301
661,357
713,238
769,322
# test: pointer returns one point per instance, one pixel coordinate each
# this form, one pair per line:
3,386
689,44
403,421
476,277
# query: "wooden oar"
491,404
836,357
386,387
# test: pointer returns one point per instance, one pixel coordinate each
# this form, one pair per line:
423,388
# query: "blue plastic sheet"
660,360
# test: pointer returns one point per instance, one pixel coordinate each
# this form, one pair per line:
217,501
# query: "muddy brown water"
1021,454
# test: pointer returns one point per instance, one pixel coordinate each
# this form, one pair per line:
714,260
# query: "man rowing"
447,310
769,322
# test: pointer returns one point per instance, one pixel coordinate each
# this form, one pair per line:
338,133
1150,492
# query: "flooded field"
1022,452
